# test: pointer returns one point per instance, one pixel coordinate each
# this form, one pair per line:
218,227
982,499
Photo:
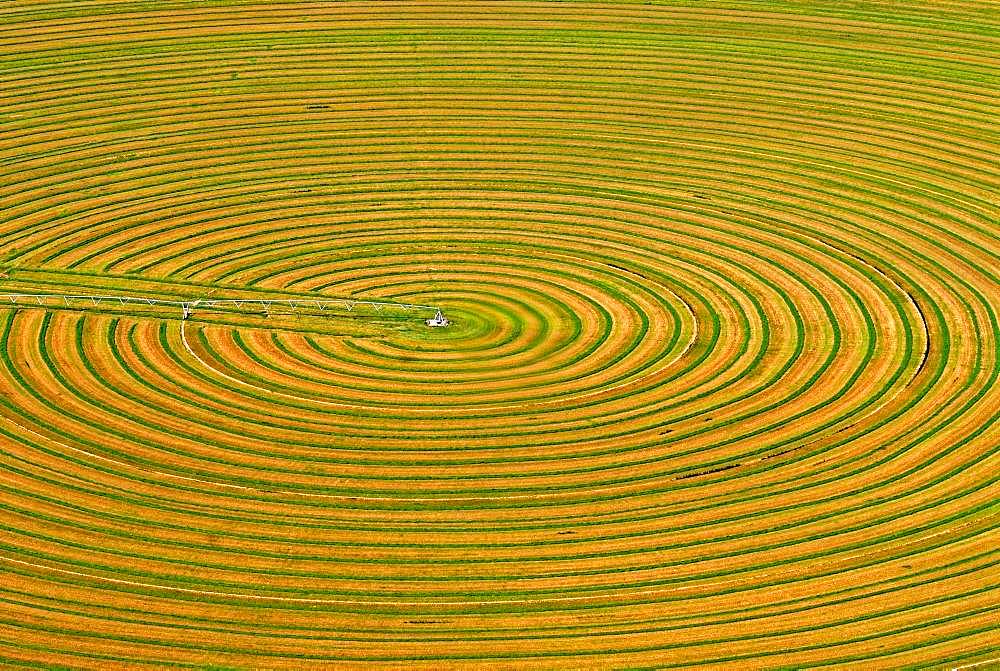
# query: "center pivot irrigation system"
240,304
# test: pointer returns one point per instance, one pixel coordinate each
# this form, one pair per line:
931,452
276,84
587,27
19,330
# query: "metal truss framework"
239,304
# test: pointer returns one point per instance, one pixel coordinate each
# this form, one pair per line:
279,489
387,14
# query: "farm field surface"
720,388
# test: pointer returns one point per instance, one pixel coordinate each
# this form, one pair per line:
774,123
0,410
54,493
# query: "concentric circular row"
719,391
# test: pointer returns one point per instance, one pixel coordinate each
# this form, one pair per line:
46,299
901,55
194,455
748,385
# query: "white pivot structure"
438,320
319,305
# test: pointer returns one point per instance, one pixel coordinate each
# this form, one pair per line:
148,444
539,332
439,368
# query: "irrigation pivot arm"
187,307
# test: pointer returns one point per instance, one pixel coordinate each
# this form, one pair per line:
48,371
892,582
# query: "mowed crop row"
720,388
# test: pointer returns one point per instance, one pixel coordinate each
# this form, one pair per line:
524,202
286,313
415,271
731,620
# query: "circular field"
720,388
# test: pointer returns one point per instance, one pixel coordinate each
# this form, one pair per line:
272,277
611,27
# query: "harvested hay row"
720,388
